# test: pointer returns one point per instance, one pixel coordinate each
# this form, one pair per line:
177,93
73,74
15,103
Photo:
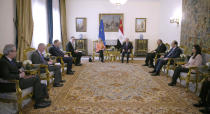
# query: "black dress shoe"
152,71
62,81
41,105
47,101
145,65
78,64
205,111
70,73
200,104
155,74
171,84
58,85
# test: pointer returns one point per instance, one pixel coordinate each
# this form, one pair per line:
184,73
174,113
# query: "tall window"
39,13
56,20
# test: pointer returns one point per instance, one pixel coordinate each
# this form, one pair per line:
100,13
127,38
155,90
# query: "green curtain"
63,23
24,26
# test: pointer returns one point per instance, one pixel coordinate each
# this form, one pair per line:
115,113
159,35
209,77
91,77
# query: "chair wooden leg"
19,100
93,58
196,88
187,82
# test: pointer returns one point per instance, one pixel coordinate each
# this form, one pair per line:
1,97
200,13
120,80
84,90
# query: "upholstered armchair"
1,55
20,96
193,75
162,54
46,77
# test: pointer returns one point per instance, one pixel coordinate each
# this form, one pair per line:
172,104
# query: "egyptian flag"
121,34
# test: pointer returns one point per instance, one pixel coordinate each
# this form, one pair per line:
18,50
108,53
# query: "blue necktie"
170,52
42,57
13,63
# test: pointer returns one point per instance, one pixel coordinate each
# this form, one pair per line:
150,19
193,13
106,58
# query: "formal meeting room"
104,56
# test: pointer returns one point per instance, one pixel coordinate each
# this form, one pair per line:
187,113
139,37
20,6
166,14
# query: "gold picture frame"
81,24
111,21
141,24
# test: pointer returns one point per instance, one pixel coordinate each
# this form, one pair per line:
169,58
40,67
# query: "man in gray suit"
38,58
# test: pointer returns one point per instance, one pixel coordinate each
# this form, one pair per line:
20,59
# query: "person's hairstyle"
8,48
160,40
41,44
72,37
197,49
56,41
175,42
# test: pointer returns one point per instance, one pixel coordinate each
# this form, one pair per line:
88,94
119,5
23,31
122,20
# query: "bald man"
150,56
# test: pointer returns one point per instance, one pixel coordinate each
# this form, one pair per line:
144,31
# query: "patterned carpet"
115,88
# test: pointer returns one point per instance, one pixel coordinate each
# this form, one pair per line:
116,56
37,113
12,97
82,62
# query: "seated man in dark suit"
150,56
11,70
38,58
173,53
205,97
126,49
55,51
70,47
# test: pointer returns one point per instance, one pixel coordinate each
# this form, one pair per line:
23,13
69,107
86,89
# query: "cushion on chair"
13,95
170,73
43,75
184,75
12,108
205,58
29,55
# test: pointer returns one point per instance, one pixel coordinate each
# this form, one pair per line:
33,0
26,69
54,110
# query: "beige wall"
169,31
132,9
157,12
7,27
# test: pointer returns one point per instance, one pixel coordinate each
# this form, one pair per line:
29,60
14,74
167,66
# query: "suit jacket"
54,51
161,48
8,71
70,48
37,59
175,54
119,45
130,46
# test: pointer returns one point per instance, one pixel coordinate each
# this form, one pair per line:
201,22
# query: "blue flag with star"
101,32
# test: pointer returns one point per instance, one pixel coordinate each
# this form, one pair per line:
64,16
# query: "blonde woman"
100,49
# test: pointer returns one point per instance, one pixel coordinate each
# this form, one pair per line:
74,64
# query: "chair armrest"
17,84
68,53
160,54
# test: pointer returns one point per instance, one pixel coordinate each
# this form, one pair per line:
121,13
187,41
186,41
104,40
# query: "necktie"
171,52
13,63
42,57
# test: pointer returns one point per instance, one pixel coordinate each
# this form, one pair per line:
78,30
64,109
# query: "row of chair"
22,96
189,77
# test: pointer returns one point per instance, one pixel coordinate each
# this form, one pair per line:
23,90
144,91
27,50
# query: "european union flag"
101,32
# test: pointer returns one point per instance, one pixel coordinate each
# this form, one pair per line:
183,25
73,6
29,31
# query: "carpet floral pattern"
115,88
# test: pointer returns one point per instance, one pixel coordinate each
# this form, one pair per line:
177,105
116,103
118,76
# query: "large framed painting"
111,21
141,24
81,25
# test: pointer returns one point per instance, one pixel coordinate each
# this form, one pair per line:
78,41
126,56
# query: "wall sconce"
174,20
